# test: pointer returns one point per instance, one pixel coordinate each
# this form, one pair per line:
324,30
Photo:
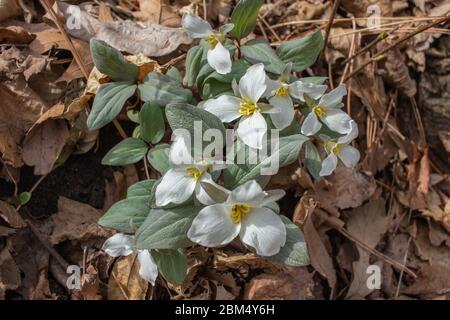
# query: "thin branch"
381,55
330,23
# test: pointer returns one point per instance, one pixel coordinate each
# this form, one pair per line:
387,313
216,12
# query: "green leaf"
133,115
204,72
213,88
162,90
238,69
312,159
301,52
193,64
166,228
158,157
152,122
294,252
128,151
244,17
111,62
183,116
175,74
108,103
141,189
172,265
24,197
314,80
288,151
127,215
259,50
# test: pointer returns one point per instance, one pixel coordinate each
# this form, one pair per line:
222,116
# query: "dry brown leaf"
318,253
226,260
294,284
433,280
438,214
9,8
9,272
360,8
367,223
158,12
15,35
152,40
76,221
347,189
125,282
418,178
11,216
43,145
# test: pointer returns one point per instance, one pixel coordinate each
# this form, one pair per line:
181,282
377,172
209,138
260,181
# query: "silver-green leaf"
128,151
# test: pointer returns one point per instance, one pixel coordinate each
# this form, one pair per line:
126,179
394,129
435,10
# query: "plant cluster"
230,84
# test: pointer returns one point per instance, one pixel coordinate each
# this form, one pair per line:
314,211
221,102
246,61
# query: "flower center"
239,212
282,91
332,147
247,108
213,41
320,112
194,172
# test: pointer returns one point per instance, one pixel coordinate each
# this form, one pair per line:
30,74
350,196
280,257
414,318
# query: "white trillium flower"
248,212
252,125
280,93
184,177
123,245
328,111
340,149
218,56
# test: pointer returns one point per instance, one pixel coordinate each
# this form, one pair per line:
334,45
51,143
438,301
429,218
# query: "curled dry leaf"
9,8
9,273
11,216
15,35
125,282
368,224
294,284
152,40
76,221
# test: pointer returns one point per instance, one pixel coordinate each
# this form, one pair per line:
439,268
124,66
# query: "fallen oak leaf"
11,216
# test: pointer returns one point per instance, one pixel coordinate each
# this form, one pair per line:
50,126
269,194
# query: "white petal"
337,121
252,129
179,152
219,59
263,230
118,245
250,193
286,74
214,191
196,27
283,118
148,270
298,88
349,156
271,87
268,108
226,28
328,165
226,108
175,187
200,193
351,135
253,83
235,87
333,98
273,195
213,226
273,206
311,124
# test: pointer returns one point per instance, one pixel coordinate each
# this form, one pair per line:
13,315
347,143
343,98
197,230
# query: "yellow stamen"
282,91
247,108
194,172
239,212
213,41
337,149
320,112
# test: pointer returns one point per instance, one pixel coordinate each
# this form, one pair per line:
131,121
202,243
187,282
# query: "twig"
147,172
270,28
420,126
330,23
381,37
400,278
322,21
262,29
377,253
350,52
205,15
381,55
